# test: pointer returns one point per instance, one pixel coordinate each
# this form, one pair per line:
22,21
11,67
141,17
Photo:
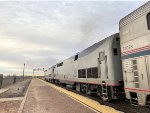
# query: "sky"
43,33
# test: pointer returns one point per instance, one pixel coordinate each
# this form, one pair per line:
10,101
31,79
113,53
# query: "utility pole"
33,73
23,70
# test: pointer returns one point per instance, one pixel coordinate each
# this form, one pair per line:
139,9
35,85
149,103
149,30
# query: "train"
117,67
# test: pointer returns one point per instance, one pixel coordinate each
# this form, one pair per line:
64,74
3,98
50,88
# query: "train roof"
144,9
91,48
94,46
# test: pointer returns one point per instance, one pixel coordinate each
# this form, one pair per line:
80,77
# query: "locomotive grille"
135,73
135,67
134,62
131,69
92,72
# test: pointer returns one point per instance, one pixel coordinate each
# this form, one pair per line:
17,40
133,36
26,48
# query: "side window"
115,51
92,72
79,73
117,39
82,73
53,70
148,20
89,73
60,64
76,57
95,72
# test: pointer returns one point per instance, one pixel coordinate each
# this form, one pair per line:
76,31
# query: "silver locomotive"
98,69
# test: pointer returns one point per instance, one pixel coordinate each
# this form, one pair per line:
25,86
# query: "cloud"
43,33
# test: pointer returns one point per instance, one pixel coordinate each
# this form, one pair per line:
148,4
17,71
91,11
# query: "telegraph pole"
23,70
33,73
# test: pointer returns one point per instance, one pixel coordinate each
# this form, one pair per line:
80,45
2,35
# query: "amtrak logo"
126,48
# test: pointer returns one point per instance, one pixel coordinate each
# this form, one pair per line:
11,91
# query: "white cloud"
41,34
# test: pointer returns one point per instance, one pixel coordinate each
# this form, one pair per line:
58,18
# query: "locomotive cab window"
148,20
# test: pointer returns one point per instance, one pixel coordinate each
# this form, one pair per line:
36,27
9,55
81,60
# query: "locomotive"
117,66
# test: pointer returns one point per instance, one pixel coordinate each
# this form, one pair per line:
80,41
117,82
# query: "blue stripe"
138,54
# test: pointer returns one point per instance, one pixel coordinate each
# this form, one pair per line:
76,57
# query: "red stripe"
93,83
136,50
137,89
101,84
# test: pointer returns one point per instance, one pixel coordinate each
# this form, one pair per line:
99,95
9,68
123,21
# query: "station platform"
44,97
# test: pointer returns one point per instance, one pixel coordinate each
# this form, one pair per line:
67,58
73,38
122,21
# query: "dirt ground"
14,91
9,106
